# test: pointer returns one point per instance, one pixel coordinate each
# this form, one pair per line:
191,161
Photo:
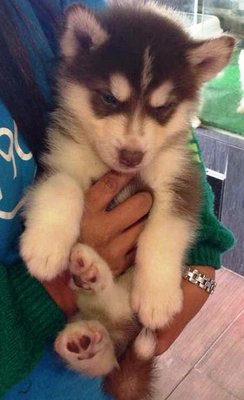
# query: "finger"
124,248
130,259
127,241
127,261
130,211
130,237
105,189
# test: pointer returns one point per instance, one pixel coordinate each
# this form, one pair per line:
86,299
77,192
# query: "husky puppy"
128,86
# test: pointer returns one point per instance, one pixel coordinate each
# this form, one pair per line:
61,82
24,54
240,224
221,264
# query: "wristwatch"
197,278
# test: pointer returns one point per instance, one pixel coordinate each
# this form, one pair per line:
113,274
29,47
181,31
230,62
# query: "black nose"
130,158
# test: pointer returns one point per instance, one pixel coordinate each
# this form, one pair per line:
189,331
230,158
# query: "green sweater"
29,317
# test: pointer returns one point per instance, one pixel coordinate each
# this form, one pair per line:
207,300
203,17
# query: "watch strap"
201,280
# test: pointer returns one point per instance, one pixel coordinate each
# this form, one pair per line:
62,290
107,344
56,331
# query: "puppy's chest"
135,186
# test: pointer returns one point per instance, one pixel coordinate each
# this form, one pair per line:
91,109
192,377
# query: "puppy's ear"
82,31
209,57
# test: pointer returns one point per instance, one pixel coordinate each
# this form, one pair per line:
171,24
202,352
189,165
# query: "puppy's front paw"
89,271
155,302
45,252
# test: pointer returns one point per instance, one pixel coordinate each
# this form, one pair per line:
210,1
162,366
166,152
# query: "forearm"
60,291
194,299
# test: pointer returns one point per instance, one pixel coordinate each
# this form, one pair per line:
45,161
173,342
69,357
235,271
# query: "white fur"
120,87
76,99
145,344
54,210
161,95
147,69
157,295
81,20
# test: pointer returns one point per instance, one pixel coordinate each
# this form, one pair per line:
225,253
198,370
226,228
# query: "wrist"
60,291
193,300
203,278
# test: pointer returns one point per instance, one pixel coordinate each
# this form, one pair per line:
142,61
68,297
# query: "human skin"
114,235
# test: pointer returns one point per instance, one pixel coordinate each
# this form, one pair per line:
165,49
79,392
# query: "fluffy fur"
128,86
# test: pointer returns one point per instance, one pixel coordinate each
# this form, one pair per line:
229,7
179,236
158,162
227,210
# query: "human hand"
113,234
194,299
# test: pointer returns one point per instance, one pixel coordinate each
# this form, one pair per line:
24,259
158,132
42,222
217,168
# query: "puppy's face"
131,76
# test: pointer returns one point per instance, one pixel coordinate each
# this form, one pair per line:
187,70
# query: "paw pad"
80,262
85,342
73,347
82,344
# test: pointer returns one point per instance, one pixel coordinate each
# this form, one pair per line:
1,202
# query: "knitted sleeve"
213,238
28,318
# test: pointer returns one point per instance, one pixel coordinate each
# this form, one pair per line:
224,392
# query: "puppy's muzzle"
130,158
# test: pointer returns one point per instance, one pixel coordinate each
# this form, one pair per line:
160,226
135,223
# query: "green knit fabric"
28,318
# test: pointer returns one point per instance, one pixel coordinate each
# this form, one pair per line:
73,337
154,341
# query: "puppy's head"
131,76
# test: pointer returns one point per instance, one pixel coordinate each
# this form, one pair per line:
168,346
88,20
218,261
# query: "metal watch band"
197,278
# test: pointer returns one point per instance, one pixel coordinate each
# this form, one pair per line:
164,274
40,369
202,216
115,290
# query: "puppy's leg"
87,347
157,293
53,213
170,229
89,270
145,344
96,287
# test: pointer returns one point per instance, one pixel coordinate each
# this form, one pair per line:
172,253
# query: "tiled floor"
207,360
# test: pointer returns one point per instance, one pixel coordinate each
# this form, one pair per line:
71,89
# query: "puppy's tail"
133,380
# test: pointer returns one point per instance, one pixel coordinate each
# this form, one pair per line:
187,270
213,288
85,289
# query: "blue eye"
109,99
